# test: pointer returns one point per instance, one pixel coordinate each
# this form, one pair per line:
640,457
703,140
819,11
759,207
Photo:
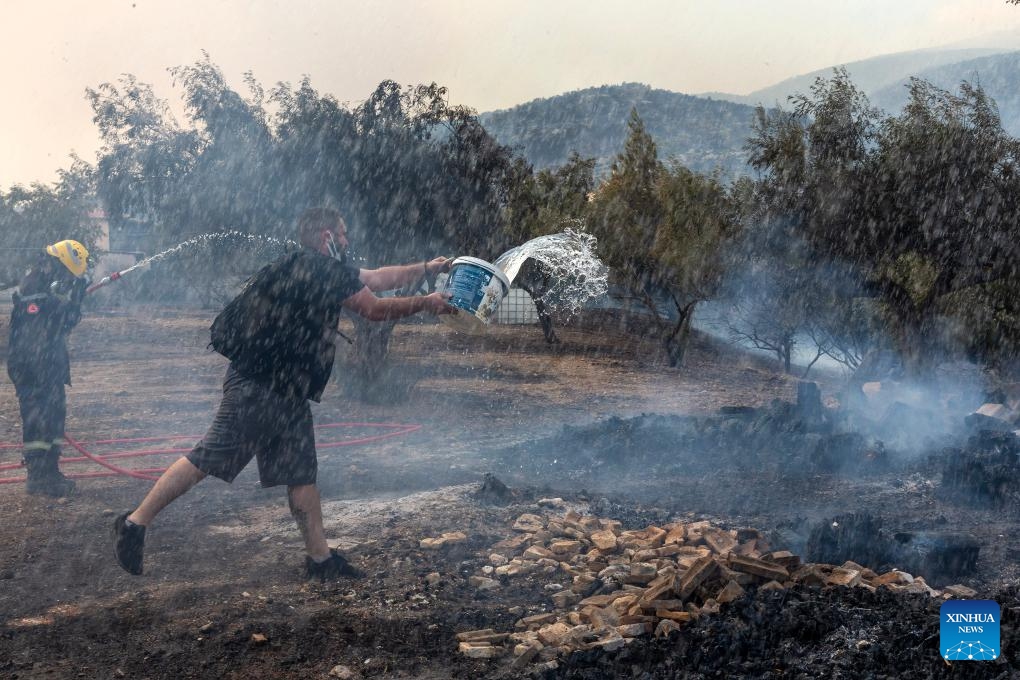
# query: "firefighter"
47,305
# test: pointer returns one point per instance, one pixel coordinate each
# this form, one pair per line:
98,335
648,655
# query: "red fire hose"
396,430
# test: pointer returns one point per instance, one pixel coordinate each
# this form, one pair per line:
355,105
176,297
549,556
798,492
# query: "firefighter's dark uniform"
45,311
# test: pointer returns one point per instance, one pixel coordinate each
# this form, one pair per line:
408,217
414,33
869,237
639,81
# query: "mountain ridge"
704,134
707,132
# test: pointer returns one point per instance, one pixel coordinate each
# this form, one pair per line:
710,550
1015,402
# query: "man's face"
335,238
340,236
57,271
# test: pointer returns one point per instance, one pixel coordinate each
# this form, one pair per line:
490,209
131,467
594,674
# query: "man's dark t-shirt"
281,328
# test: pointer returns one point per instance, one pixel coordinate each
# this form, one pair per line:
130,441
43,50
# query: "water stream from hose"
201,241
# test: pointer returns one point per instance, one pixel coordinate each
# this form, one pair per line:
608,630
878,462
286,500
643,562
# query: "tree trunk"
370,379
544,319
911,327
914,341
678,338
368,365
546,322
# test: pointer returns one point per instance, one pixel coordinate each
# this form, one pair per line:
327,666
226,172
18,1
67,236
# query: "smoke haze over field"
491,55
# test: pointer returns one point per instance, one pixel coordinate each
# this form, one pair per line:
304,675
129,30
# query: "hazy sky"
490,54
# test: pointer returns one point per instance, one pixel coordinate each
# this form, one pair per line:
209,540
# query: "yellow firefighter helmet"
72,254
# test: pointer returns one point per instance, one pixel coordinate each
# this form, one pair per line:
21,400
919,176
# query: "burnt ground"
573,420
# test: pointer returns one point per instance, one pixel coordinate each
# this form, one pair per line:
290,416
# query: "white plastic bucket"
476,288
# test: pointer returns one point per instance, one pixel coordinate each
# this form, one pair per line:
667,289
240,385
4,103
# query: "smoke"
913,415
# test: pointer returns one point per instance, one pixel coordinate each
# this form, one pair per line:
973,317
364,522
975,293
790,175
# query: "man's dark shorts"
255,421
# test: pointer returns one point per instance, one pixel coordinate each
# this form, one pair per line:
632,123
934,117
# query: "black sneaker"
335,567
130,544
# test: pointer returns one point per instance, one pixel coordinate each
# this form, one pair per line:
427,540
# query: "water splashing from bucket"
573,273
576,274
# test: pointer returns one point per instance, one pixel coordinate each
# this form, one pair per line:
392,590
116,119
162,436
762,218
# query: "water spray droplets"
576,274
204,240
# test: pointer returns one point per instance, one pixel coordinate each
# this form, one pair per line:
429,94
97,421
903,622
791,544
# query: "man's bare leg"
177,479
306,507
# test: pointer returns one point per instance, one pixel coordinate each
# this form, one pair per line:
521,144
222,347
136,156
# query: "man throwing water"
279,336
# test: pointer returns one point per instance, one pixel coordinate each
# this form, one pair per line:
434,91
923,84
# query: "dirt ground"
225,562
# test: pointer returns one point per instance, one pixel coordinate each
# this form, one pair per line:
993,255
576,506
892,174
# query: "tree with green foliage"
33,217
144,157
919,207
663,231
546,203
948,189
414,176
784,291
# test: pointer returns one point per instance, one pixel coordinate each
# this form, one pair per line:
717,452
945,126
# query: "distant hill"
998,74
702,133
708,132
870,75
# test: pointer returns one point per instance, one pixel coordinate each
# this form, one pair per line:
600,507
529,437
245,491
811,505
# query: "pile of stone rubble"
609,585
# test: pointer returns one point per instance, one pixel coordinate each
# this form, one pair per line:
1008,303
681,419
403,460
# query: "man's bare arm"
398,276
364,303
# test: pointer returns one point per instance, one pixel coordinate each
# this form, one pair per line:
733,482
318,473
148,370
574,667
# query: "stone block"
632,630
740,578
604,540
483,635
673,615
445,539
961,591
675,534
602,600
565,598
601,618
529,523
689,581
582,583
525,654
748,548
731,591
483,583
844,577
810,575
624,603
710,606
894,577
665,627
719,541
610,643
479,650
784,558
553,634
535,620
564,547
750,565
511,545
663,604
642,573
612,525
537,552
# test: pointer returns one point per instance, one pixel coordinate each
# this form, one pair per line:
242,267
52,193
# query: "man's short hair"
313,221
